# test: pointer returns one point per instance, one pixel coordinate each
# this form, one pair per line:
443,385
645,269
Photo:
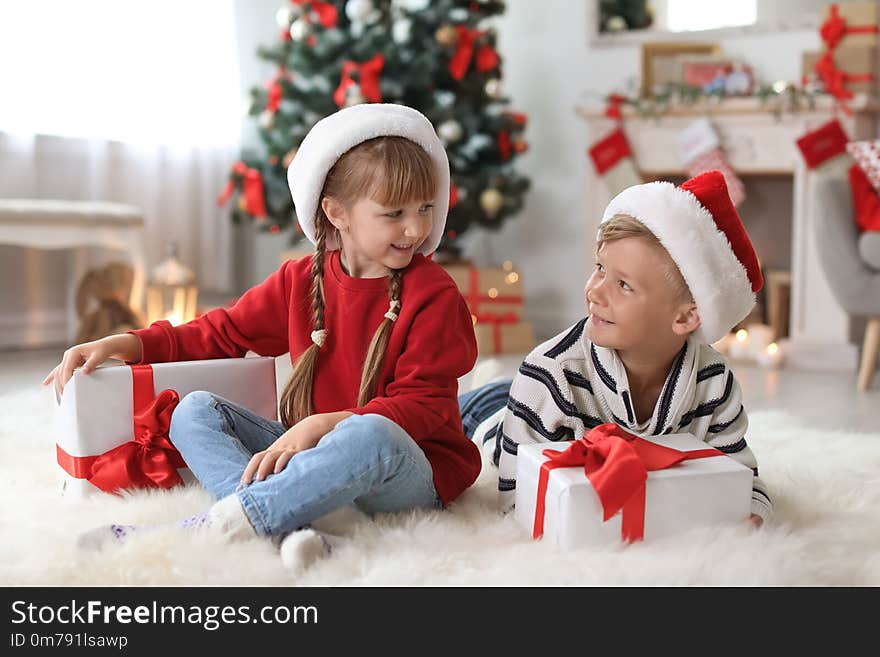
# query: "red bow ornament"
368,79
486,60
148,461
252,188
617,464
326,12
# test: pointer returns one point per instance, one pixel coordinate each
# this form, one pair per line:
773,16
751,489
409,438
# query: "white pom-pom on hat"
334,135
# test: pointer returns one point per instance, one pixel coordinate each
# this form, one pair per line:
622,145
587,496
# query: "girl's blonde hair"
621,226
393,171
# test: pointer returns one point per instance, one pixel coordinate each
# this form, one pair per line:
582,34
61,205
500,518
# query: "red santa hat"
700,228
341,131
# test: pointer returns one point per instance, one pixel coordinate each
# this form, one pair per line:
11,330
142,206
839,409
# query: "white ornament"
444,98
493,88
615,24
353,96
284,16
449,131
266,119
411,5
401,30
361,11
491,201
299,30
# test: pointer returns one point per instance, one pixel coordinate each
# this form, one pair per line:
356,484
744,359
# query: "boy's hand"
303,435
124,347
756,520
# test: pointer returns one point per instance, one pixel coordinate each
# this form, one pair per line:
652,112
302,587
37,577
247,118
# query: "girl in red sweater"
377,332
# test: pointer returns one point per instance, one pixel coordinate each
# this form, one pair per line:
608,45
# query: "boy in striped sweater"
675,271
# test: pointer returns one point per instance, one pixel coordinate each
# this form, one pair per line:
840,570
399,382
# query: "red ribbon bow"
327,14
487,58
617,464
835,28
148,461
252,188
273,101
368,76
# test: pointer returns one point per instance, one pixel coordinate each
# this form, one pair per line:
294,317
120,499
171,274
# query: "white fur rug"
825,531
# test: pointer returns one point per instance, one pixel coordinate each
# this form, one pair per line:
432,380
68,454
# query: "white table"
51,224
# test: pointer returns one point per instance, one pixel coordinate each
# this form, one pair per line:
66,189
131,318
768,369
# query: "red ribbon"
148,461
275,92
612,111
368,76
834,80
835,28
252,188
504,144
617,464
327,14
453,195
496,320
486,59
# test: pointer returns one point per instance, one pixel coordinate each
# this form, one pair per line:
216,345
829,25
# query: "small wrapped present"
611,485
850,24
488,290
845,71
501,334
112,425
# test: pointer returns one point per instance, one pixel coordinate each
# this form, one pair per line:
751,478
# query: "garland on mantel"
776,98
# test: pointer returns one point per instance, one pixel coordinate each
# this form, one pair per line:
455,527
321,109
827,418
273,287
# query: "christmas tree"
436,56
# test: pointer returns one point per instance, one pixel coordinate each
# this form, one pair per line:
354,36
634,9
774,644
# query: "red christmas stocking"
700,150
824,149
614,162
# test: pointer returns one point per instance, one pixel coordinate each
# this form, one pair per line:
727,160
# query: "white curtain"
130,102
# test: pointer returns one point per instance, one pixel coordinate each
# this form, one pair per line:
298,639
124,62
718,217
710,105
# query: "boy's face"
631,302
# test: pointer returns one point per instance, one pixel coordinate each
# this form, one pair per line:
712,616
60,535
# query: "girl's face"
377,238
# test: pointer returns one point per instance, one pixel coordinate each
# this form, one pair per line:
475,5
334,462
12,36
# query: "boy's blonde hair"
621,226
393,171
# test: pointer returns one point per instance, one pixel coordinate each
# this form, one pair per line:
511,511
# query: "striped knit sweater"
569,385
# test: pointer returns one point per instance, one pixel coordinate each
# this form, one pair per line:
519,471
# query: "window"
686,15
158,72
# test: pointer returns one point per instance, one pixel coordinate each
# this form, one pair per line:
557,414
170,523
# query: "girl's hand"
304,435
756,520
124,347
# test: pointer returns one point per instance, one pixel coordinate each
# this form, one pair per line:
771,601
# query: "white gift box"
694,492
94,415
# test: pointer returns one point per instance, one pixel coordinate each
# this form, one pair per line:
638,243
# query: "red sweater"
431,345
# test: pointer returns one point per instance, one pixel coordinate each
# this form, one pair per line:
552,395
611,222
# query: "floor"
822,399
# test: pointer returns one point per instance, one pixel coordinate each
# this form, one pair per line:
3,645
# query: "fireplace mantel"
757,141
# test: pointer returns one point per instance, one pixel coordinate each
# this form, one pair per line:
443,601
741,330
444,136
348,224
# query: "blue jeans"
366,460
480,403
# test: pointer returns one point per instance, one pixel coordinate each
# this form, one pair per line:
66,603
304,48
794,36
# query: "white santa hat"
338,133
700,228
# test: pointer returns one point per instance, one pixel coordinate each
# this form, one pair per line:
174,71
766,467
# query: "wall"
549,68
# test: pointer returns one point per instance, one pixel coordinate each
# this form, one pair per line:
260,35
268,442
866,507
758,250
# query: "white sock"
226,516
302,548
